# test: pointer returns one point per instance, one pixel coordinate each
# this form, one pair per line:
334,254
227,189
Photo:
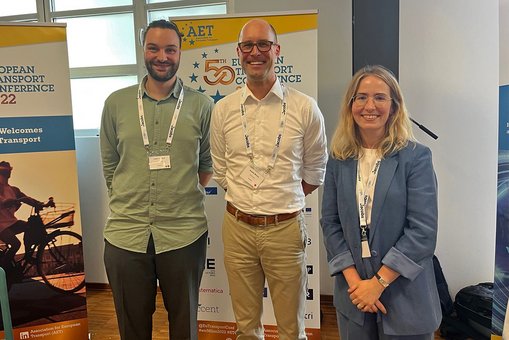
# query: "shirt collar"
276,89
175,92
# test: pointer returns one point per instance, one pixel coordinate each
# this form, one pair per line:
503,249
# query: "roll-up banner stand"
46,278
210,64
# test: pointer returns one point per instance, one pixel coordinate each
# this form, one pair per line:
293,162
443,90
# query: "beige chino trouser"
277,253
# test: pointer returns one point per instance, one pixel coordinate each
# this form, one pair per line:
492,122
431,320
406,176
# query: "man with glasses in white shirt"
269,151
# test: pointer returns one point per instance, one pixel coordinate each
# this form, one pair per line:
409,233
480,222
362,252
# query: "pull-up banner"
45,277
500,314
210,64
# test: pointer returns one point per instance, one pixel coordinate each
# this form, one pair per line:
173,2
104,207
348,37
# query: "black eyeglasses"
261,45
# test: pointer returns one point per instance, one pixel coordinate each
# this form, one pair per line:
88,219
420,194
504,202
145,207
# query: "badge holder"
252,176
158,162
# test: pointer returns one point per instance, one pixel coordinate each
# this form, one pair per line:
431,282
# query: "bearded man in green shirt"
156,161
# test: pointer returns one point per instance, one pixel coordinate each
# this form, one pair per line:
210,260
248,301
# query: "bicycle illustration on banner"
52,254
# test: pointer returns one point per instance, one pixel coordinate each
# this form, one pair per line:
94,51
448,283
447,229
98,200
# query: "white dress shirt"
302,154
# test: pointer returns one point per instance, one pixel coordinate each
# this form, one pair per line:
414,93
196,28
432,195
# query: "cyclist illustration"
55,255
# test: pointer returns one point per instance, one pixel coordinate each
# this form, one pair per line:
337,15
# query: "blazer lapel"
383,181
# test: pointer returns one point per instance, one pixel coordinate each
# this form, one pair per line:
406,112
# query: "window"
102,38
66,5
19,8
186,11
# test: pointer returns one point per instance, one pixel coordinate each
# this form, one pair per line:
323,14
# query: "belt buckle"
264,220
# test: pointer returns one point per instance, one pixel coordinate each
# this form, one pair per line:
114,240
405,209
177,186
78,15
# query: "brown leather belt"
259,220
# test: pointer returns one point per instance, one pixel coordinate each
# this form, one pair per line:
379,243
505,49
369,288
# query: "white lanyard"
363,194
279,137
141,115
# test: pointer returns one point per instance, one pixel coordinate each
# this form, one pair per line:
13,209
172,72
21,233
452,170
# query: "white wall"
94,206
449,74
504,46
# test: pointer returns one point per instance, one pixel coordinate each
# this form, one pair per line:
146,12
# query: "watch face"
384,283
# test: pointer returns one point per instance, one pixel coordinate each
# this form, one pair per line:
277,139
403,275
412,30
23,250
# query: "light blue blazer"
402,235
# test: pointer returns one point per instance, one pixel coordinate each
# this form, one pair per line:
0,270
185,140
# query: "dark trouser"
133,280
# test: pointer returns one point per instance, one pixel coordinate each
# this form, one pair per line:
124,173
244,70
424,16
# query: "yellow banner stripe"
200,33
27,35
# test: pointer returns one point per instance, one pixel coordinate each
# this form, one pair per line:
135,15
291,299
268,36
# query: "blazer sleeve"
339,255
418,240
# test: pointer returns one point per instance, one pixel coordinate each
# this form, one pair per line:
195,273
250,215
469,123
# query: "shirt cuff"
314,178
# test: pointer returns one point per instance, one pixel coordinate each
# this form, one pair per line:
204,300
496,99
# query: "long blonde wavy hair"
346,141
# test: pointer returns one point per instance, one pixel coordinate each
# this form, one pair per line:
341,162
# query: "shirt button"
157,122
374,253
155,143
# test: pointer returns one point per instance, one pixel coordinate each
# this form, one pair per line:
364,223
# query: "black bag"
473,305
452,327
443,289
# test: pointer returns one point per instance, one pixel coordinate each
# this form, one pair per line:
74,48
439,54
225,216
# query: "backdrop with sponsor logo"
210,64
500,315
46,281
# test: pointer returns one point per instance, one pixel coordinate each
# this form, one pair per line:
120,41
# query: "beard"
159,76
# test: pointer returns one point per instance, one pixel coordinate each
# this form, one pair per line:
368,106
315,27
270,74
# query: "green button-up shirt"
167,203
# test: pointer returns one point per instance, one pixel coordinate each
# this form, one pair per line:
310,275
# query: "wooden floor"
102,322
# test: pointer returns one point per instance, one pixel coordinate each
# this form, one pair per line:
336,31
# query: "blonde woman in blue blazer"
379,216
